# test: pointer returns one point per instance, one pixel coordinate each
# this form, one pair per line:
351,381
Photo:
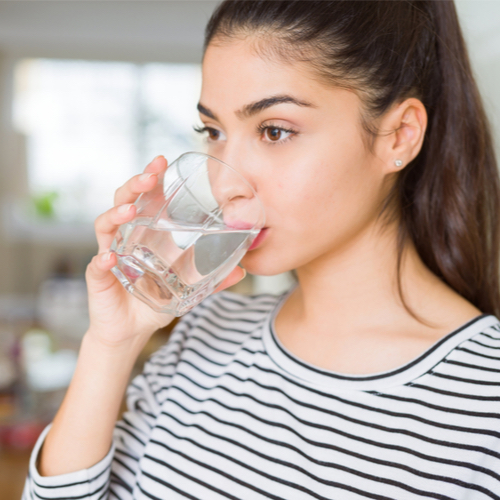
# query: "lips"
259,238
238,224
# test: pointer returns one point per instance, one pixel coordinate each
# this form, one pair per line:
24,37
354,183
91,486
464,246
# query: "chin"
264,263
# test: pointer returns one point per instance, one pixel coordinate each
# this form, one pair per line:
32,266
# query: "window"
89,126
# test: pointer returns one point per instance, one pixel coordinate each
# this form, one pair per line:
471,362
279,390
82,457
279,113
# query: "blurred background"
90,92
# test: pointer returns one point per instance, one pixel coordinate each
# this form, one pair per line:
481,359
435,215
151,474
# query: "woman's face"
303,153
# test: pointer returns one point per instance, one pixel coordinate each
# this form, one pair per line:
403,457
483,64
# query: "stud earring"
398,163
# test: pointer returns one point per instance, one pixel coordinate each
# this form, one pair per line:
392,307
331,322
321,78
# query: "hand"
116,316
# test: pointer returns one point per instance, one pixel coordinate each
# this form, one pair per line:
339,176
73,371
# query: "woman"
360,126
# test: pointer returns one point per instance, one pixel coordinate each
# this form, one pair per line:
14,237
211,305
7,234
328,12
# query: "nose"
240,154
240,207
227,183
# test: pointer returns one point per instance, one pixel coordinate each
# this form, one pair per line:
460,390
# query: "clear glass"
189,233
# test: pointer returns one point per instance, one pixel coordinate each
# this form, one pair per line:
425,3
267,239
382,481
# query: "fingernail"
244,274
145,177
106,256
156,157
124,208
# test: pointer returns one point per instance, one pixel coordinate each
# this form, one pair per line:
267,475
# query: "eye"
275,135
213,134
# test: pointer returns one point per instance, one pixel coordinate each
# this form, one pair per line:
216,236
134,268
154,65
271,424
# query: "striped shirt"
224,411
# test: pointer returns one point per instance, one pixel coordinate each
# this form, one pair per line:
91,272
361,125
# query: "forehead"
233,74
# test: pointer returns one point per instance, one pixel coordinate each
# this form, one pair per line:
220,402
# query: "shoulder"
225,319
234,306
209,338
482,348
229,315
473,366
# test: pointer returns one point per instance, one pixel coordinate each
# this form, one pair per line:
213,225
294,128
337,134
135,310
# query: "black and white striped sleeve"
91,483
133,431
115,475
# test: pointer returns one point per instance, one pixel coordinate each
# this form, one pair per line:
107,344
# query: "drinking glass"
189,233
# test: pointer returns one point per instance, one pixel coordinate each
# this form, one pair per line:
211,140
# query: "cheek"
313,215
329,171
324,188
329,200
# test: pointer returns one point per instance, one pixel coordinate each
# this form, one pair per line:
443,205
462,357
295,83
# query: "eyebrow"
258,106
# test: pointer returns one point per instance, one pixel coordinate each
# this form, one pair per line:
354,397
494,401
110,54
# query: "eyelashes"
201,130
260,130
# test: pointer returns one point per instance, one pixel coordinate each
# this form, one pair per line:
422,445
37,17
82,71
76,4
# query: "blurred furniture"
13,470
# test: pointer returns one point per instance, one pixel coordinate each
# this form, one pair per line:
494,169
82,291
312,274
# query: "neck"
358,283
347,315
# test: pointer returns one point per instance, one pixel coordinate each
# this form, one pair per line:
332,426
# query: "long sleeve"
91,483
131,435
115,476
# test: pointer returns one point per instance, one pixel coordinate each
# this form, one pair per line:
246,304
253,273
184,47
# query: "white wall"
114,30
480,21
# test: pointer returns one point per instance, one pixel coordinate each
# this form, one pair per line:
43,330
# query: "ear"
402,134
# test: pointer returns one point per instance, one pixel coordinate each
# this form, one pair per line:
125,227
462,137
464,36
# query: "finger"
236,275
107,224
99,277
129,192
157,166
141,183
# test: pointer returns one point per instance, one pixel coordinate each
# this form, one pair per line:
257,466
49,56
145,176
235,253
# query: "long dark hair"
448,197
